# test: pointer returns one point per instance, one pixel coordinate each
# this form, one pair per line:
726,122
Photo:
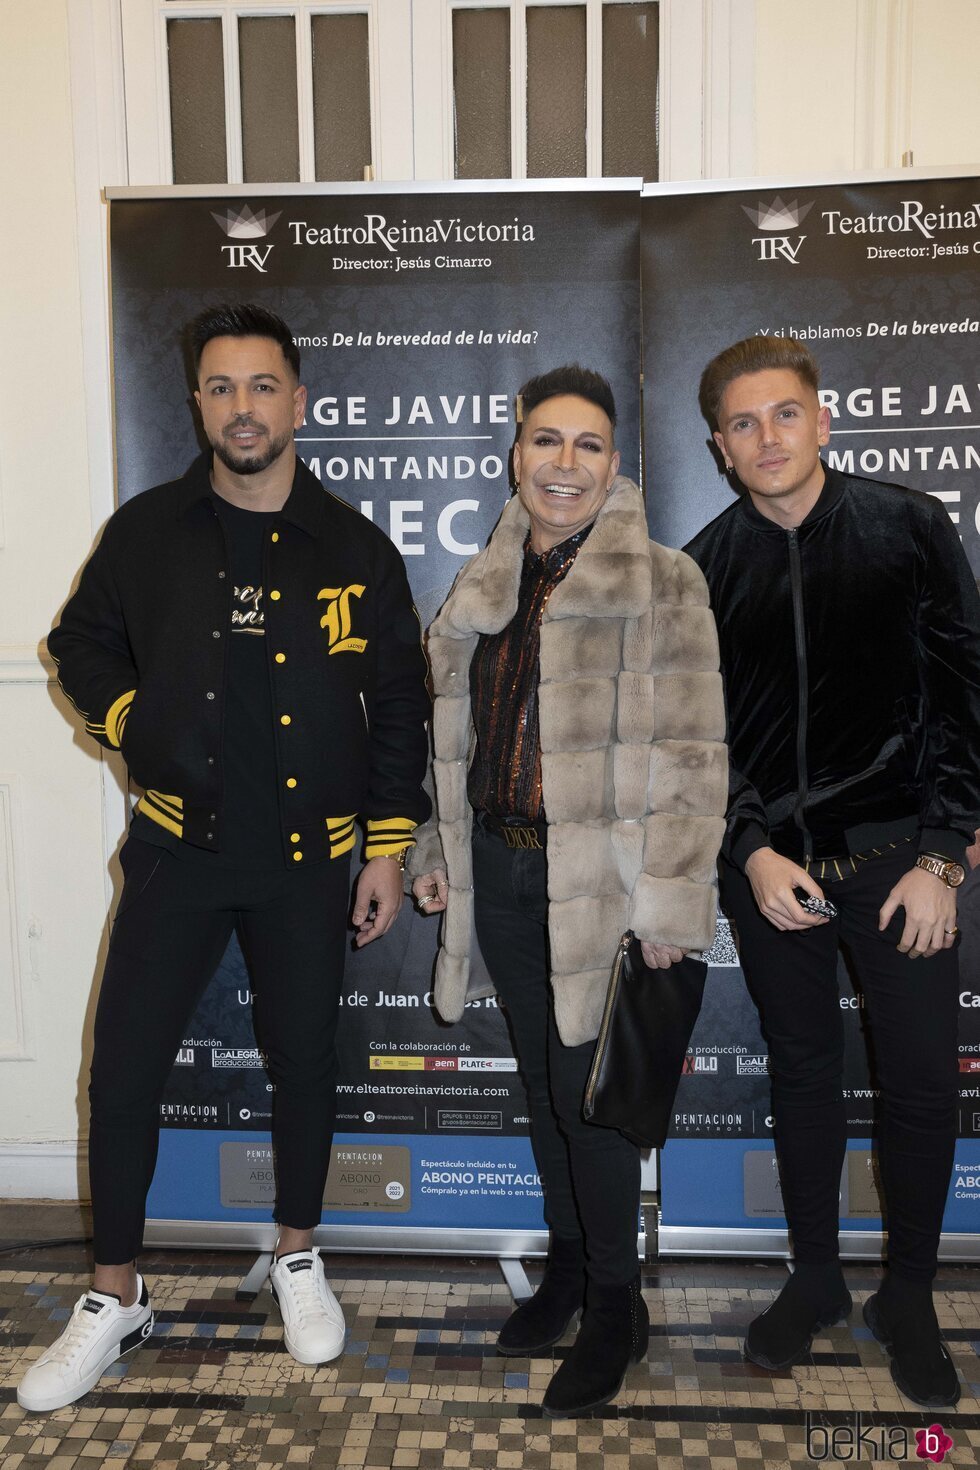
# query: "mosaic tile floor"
421,1385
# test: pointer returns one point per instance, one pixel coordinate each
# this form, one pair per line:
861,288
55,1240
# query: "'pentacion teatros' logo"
784,215
242,225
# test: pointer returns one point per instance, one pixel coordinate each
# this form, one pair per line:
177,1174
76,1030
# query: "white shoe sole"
45,1403
310,1362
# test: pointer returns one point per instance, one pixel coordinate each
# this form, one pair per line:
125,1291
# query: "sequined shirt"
505,775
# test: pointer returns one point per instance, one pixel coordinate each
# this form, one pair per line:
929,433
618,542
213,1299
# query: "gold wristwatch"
952,874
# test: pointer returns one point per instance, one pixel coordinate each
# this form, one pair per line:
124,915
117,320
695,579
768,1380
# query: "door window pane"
481,93
197,101
556,91
630,64
270,129
341,96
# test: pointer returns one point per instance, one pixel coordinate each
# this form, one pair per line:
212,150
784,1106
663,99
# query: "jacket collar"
610,577
833,489
305,506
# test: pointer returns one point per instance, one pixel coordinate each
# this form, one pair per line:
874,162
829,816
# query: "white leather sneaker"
99,1332
315,1330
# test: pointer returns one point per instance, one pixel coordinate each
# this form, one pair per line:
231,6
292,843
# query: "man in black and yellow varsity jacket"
249,643
142,654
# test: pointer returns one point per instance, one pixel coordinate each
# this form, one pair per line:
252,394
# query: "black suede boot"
814,1297
615,1332
903,1319
539,1322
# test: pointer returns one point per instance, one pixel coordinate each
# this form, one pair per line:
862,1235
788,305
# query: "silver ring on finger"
423,901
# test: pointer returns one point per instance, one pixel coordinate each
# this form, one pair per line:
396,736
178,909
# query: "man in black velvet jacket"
849,620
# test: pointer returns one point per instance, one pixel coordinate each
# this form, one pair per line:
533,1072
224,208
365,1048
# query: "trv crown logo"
241,225
779,215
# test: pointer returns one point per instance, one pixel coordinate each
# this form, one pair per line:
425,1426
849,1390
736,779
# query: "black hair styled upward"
248,320
580,381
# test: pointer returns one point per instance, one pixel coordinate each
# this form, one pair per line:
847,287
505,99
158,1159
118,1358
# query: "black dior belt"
517,832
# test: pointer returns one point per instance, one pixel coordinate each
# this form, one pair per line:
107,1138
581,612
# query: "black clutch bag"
643,1040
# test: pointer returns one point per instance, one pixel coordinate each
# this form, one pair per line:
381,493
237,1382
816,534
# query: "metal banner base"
516,1278
855,1245
508,1246
411,1240
254,1280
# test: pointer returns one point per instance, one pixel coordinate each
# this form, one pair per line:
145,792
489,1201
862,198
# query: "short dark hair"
247,320
754,355
582,382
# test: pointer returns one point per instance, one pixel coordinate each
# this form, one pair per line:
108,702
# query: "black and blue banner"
418,315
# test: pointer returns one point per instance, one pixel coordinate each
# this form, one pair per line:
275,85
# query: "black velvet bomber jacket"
141,653
850,649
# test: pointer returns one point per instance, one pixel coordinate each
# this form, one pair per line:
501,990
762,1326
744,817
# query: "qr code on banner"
723,951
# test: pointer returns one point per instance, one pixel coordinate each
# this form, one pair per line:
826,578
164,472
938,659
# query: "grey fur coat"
634,772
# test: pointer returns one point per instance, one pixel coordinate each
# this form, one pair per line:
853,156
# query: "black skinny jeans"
173,923
590,1175
911,1009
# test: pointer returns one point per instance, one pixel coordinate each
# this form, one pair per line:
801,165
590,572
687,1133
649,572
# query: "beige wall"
832,90
51,848
855,84
804,86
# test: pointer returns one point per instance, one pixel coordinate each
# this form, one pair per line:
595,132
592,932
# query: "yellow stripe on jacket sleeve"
115,720
166,811
341,835
388,835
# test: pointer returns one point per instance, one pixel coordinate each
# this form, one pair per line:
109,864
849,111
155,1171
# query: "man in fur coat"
581,782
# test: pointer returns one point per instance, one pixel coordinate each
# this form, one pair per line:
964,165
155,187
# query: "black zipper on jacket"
803,694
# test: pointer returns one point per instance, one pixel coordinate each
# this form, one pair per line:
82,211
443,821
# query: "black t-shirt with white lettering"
249,830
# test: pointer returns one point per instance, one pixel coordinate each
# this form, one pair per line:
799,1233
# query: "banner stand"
418,310
855,1245
254,1280
439,1240
513,1272
877,272
510,1250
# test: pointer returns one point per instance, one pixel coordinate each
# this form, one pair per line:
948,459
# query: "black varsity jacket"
141,652
850,649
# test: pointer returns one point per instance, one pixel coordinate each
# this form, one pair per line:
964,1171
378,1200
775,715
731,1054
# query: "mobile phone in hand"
822,907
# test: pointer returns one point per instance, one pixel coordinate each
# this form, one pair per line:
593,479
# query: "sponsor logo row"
695,1063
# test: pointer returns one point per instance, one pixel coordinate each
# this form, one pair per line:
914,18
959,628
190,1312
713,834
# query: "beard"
250,462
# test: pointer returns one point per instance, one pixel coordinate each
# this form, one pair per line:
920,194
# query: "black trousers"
911,1010
590,1175
172,926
